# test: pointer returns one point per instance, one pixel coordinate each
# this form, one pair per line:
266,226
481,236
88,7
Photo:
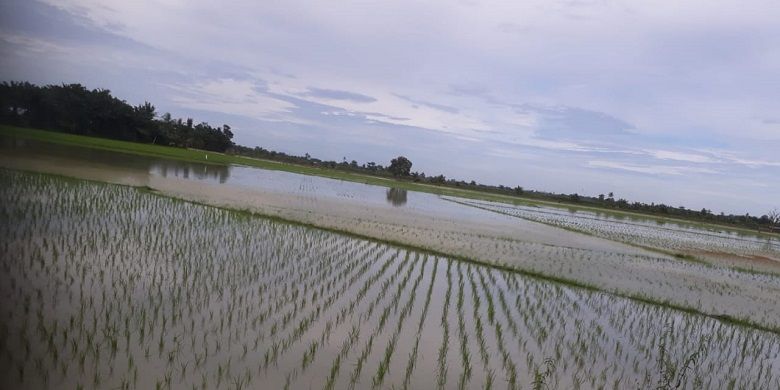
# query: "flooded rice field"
531,244
107,286
138,170
750,251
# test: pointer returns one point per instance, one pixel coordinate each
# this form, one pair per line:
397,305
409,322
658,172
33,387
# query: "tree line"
72,108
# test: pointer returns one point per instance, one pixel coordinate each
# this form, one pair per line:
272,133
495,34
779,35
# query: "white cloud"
681,156
238,97
650,169
32,44
753,163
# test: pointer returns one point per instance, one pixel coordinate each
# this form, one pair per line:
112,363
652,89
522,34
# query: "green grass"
201,156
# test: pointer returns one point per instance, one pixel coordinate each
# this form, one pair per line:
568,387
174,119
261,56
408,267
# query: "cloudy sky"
665,101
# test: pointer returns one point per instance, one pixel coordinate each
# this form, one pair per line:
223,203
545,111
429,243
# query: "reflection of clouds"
396,196
185,170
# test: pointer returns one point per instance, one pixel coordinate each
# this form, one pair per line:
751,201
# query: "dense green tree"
440,179
400,166
72,108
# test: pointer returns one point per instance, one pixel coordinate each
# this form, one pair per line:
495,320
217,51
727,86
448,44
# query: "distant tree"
145,112
400,166
574,197
148,130
226,132
440,179
601,197
774,217
519,190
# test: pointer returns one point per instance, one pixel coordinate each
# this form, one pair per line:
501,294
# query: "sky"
664,101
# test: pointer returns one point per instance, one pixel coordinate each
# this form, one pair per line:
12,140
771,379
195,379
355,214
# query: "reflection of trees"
186,170
396,196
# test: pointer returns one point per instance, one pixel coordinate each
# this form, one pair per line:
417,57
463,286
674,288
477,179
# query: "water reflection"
10,146
396,196
185,170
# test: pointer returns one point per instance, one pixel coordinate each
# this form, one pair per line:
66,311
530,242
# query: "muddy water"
424,221
108,287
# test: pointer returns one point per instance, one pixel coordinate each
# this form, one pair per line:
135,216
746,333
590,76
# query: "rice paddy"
745,293
750,251
106,286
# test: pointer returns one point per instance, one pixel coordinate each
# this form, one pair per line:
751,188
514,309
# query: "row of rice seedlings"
346,347
466,368
510,370
478,325
384,364
285,297
318,342
751,346
442,358
284,343
384,317
365,316
411,364
347,312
